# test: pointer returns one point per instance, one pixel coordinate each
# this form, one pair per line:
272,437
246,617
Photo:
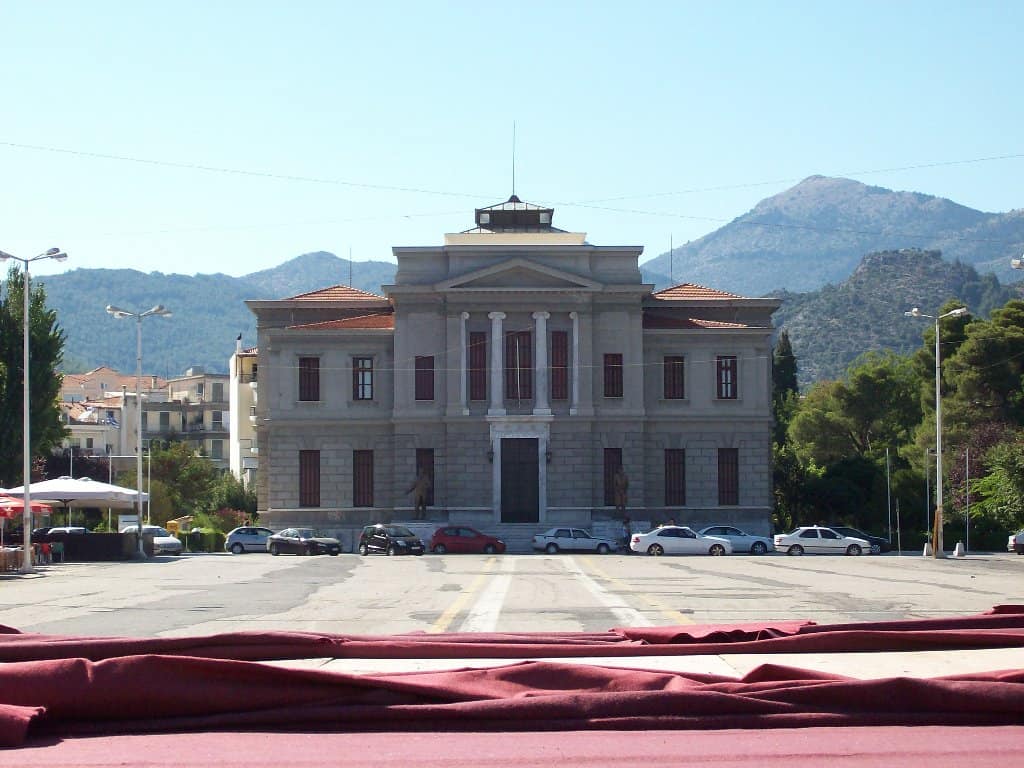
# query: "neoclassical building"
519,366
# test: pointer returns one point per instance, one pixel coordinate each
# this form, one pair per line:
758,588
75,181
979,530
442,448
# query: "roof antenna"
350,267
513,158
671,261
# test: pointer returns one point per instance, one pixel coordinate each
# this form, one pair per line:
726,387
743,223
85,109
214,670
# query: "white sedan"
741,540
814,539
678,540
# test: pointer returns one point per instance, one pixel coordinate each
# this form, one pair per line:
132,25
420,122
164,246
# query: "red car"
462,538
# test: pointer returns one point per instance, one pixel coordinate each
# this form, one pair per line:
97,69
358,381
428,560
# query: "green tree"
784,386
183,482
46,350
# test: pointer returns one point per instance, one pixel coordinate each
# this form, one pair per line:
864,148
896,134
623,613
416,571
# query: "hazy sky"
253,132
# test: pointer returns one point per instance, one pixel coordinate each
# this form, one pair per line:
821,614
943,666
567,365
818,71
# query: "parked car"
163,542
817,540
741,540
248,538
678,540
1016,543
572,540
389,539
878,543
302,541
462,538
66,530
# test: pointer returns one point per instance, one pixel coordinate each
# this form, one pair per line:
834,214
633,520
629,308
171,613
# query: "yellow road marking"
674,616
446,618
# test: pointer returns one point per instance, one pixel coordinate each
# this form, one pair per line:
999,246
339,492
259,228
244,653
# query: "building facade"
518,366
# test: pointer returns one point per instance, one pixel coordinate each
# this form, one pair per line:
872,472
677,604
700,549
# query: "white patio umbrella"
82,492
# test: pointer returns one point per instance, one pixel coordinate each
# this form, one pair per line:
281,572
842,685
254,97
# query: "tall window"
362,379
216,449
674,383
362,478
218,419
218,392
612,461
728,476
425,461
477,365
559,365
613,375
309,378
675,477
165,421
309,478
425,377
518,365
726,372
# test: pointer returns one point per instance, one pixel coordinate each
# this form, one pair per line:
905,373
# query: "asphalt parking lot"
207,593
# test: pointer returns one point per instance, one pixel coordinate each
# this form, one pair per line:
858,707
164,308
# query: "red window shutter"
673,374
477,365
613,375
309,378
518,366
424,378
559,365
309,478
362,478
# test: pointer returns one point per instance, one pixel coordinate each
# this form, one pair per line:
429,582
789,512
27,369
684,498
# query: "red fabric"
160,693
1002,627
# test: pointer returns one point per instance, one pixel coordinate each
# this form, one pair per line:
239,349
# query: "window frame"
309,478
559,367
309,379
362,377
425,460
612,461
519,371
614,384
673,377
476,356
728,477
675,477
362,478
423,384
726,377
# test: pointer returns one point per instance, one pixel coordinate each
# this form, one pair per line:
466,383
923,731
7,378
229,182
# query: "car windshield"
305,533
398,530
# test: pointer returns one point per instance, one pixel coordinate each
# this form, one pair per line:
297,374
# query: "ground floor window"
728,476
675,477
309,478
612,461
362,478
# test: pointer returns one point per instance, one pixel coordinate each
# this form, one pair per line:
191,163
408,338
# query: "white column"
462,364
497,407
540,396
575,401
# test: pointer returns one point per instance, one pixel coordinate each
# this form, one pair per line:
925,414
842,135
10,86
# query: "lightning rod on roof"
513,157
350,266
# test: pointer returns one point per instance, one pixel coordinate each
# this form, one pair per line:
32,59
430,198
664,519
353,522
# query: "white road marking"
626,616
484,614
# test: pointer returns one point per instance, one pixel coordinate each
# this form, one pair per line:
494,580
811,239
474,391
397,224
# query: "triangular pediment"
519,274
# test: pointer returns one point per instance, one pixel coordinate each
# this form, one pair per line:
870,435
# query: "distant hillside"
816,232
830,327
208,310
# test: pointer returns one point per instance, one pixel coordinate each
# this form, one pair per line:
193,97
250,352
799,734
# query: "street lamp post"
26,516
161,311
937,533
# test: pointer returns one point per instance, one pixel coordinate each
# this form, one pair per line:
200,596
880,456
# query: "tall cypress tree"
784,386
46,352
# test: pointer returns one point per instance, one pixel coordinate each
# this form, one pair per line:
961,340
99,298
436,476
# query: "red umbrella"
11,507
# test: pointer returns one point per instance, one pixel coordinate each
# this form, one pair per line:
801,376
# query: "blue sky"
368,125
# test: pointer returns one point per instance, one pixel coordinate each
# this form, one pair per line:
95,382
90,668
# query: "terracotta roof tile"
375,322
693,291
655,322
337,293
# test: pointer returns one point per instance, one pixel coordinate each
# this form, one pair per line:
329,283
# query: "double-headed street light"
937,532
26,516
158,310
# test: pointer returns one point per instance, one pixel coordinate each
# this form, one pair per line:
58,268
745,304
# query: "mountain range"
816,232
806,245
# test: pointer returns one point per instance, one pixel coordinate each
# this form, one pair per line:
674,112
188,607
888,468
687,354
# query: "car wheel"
334,553
796,549
758,548
656,550
310,549
392,551
237,549
876,549
853,549
489,549
717,550
440,549
362,549
603,549
274,550
551,549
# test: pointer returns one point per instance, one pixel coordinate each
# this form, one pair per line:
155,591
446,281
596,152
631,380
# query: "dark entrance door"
519,480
